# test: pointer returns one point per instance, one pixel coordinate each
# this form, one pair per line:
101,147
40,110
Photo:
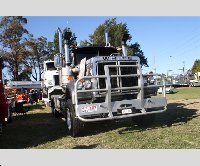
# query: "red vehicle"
5,112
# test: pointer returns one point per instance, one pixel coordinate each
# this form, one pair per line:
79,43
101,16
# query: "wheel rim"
69,122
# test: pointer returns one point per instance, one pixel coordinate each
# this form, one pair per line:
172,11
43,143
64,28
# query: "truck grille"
118,81
128,81
113,71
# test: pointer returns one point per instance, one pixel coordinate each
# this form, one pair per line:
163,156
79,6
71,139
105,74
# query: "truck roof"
101,49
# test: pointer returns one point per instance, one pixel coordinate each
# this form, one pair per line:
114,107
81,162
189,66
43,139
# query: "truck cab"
50,79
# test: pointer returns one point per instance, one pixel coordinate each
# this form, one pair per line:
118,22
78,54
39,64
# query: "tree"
13,39
134,50
85,43
72,40
56,43
38,52
196,66
54,46
116,33
2,55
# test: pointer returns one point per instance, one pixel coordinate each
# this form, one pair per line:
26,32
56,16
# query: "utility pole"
183,67
170,70
154,63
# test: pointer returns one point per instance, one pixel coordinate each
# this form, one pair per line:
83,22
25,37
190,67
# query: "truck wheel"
55,113
74,125
144,120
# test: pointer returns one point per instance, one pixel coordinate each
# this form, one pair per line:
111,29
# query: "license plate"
126,111
91,108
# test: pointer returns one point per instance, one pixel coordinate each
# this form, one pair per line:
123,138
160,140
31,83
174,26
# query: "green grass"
177,128
185,93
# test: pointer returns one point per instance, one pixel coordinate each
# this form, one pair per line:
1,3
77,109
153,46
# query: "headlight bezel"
87,84
84,84
79,85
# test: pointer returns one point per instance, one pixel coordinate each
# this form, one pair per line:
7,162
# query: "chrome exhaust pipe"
125,37
67,55
124,50
106,36
60,41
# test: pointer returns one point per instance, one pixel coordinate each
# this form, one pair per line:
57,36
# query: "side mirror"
58,61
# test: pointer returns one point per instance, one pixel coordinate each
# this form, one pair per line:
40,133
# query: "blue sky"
168,42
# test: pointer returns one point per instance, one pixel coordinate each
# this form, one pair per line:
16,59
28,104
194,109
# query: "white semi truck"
196,80
98,83
50,79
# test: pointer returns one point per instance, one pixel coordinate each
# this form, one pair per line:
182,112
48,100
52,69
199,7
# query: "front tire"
74,125
55,113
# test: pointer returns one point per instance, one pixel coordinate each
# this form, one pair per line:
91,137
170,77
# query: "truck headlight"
87,84
79,85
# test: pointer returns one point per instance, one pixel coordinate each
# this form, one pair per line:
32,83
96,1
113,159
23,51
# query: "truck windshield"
50,66
90,52
79,57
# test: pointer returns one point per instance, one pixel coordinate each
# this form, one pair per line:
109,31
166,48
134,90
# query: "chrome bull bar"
109,107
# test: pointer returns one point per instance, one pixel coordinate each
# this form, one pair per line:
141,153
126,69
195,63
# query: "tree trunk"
15,72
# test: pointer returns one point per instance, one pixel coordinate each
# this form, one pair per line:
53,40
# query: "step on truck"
97,83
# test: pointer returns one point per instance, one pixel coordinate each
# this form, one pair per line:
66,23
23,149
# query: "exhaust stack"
124,49
126,36
67,36
60,41
106,36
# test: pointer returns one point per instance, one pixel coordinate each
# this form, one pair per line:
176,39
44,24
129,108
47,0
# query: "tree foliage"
55,43
39,51
116,33
196,66
134,50
13,39
22,53
115,30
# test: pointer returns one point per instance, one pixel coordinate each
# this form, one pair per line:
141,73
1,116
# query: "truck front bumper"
120,109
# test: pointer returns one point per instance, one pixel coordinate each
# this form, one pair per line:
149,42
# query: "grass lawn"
185,93
177,128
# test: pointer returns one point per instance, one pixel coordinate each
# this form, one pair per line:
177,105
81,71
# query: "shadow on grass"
39,128
32,130
176,114
93,146
35,106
